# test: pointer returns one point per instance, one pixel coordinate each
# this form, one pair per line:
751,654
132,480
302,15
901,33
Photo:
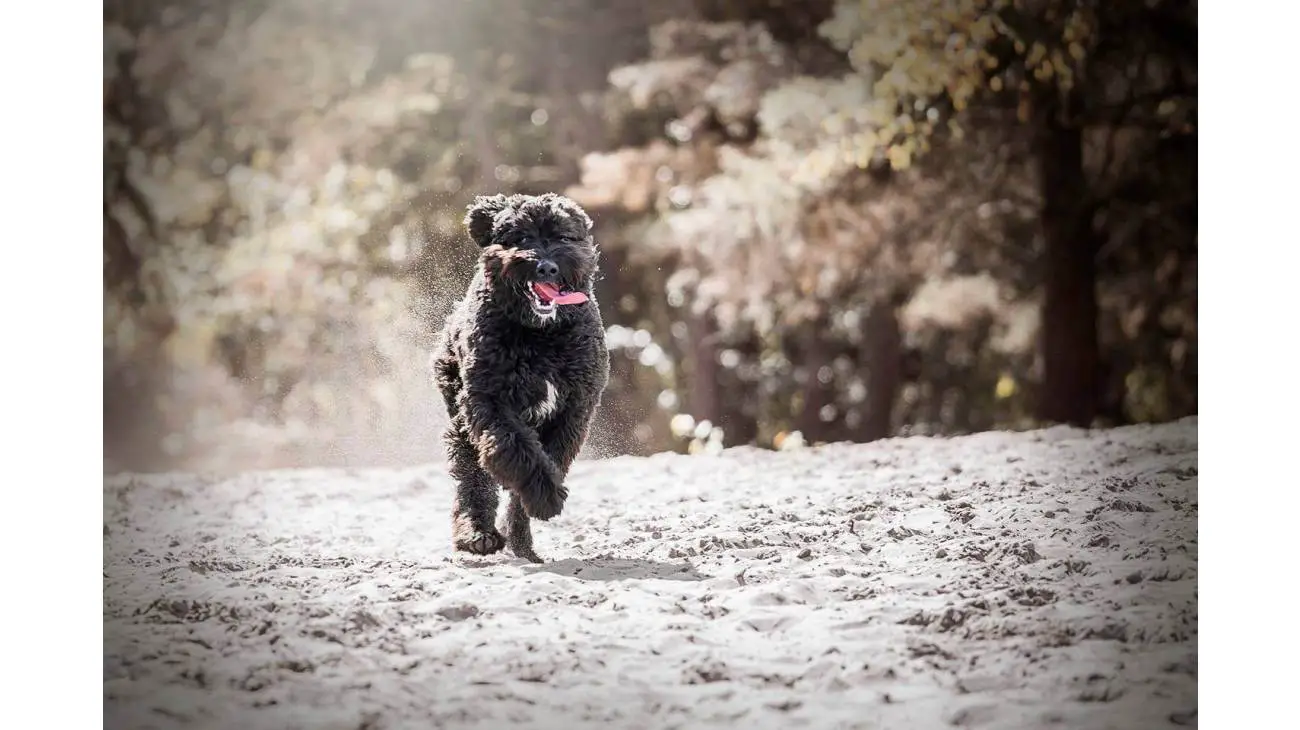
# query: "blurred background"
820,220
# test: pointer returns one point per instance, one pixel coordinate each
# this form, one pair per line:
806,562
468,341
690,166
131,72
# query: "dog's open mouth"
546,297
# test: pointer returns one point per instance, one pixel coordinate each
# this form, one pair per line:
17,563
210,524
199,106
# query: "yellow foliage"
1005,388
900,157
929,48
262,159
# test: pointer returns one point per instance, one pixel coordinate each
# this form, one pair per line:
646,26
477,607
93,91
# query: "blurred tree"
284,184
786,259
1065,67
808,221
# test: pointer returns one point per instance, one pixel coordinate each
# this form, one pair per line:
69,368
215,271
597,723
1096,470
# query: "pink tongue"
552,293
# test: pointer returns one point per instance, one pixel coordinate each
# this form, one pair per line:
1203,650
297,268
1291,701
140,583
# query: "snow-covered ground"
1044,579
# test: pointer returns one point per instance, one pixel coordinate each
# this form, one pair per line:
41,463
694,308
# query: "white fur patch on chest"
544,408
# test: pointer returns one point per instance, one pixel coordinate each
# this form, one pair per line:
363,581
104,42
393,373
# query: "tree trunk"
816,394
884,345
705,403
739,422
1070,390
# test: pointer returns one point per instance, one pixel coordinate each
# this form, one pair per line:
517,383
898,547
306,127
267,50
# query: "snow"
1000,580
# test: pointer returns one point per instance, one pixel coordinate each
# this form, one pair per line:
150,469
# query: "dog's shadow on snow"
611,569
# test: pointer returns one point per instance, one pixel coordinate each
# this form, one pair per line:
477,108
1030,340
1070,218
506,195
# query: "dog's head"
538,257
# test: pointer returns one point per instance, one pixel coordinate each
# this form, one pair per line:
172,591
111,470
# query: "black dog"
521,364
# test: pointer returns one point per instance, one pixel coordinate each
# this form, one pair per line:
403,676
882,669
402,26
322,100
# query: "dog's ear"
571,207
478,219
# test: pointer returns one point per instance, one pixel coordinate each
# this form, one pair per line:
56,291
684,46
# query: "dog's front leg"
563,437
510,451
518,532
561,440
475,507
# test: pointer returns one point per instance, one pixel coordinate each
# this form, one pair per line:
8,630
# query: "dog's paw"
544,499
527,553
479,542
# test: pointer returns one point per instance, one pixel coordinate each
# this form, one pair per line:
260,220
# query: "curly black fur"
521,384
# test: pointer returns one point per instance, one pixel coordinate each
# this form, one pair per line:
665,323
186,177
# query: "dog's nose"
547,269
